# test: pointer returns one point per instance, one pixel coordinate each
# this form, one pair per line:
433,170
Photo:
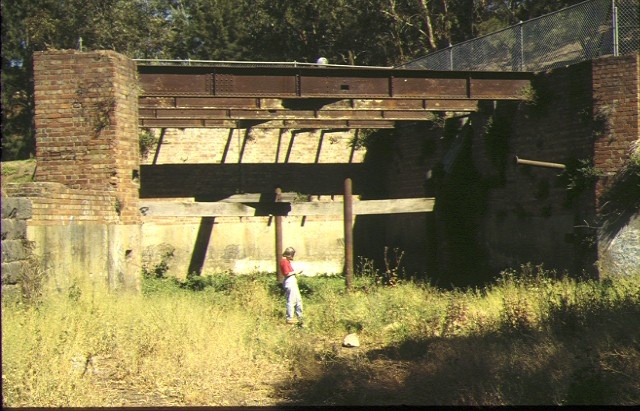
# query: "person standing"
290,284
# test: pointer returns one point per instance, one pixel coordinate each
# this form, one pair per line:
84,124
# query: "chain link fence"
582,32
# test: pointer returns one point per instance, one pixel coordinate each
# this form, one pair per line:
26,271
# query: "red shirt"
285,267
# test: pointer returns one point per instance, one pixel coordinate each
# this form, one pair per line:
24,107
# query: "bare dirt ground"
325,379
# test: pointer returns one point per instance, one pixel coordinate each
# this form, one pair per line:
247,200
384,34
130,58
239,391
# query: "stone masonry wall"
15,248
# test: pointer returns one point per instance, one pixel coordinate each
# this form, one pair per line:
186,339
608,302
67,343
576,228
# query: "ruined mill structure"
464,173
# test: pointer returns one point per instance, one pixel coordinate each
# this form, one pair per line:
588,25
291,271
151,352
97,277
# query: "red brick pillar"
87,124
615,115
86,117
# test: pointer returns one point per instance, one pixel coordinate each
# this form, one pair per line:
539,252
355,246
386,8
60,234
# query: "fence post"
614,26
451,58
521,25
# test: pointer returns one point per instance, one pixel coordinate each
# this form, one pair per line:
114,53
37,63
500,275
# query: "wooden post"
278,219
348,233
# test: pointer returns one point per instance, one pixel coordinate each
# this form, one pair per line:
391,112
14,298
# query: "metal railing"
581,32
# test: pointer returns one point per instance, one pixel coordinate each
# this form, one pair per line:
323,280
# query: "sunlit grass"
531,337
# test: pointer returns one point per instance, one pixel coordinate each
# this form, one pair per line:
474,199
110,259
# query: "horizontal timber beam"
266,115
232,209
268,104
282,124
210,111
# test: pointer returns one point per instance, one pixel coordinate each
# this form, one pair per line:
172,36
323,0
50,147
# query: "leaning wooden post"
278,219
348,233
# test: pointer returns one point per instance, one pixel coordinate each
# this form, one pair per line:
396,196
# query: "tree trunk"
427,22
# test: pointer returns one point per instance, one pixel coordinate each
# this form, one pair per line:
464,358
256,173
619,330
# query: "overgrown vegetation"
578,176
621,201
533,336
147,141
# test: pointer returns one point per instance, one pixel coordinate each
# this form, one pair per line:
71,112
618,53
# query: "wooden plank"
293,124
194,209
145,104
394,206
334,208
266,115
257,197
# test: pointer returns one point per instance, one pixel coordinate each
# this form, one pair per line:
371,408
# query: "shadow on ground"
575,361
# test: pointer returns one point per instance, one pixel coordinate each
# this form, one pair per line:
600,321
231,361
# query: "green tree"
209,29
137,28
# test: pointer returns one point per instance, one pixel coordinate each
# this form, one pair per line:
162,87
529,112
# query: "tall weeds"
532,337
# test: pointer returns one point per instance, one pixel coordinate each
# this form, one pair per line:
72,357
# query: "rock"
351,340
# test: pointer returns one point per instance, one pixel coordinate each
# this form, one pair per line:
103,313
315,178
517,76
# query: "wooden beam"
320,208
348,232
257,197
265,124
299,115
147,103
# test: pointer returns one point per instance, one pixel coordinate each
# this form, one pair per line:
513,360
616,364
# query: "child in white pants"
294,299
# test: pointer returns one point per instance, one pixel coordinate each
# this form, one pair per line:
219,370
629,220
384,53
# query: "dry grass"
528,339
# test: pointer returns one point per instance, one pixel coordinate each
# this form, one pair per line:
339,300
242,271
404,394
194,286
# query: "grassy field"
529,338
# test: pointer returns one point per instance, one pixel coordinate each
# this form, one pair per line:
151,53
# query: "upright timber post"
278,219
348,233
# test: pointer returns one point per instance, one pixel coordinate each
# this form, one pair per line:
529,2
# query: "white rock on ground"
351,340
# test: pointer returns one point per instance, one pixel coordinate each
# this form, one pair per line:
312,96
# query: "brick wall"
57,204
615,114
86,124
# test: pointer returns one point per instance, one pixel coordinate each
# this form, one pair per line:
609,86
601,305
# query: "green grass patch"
20,171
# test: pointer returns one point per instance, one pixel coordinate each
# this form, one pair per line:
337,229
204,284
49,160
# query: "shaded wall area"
490,213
